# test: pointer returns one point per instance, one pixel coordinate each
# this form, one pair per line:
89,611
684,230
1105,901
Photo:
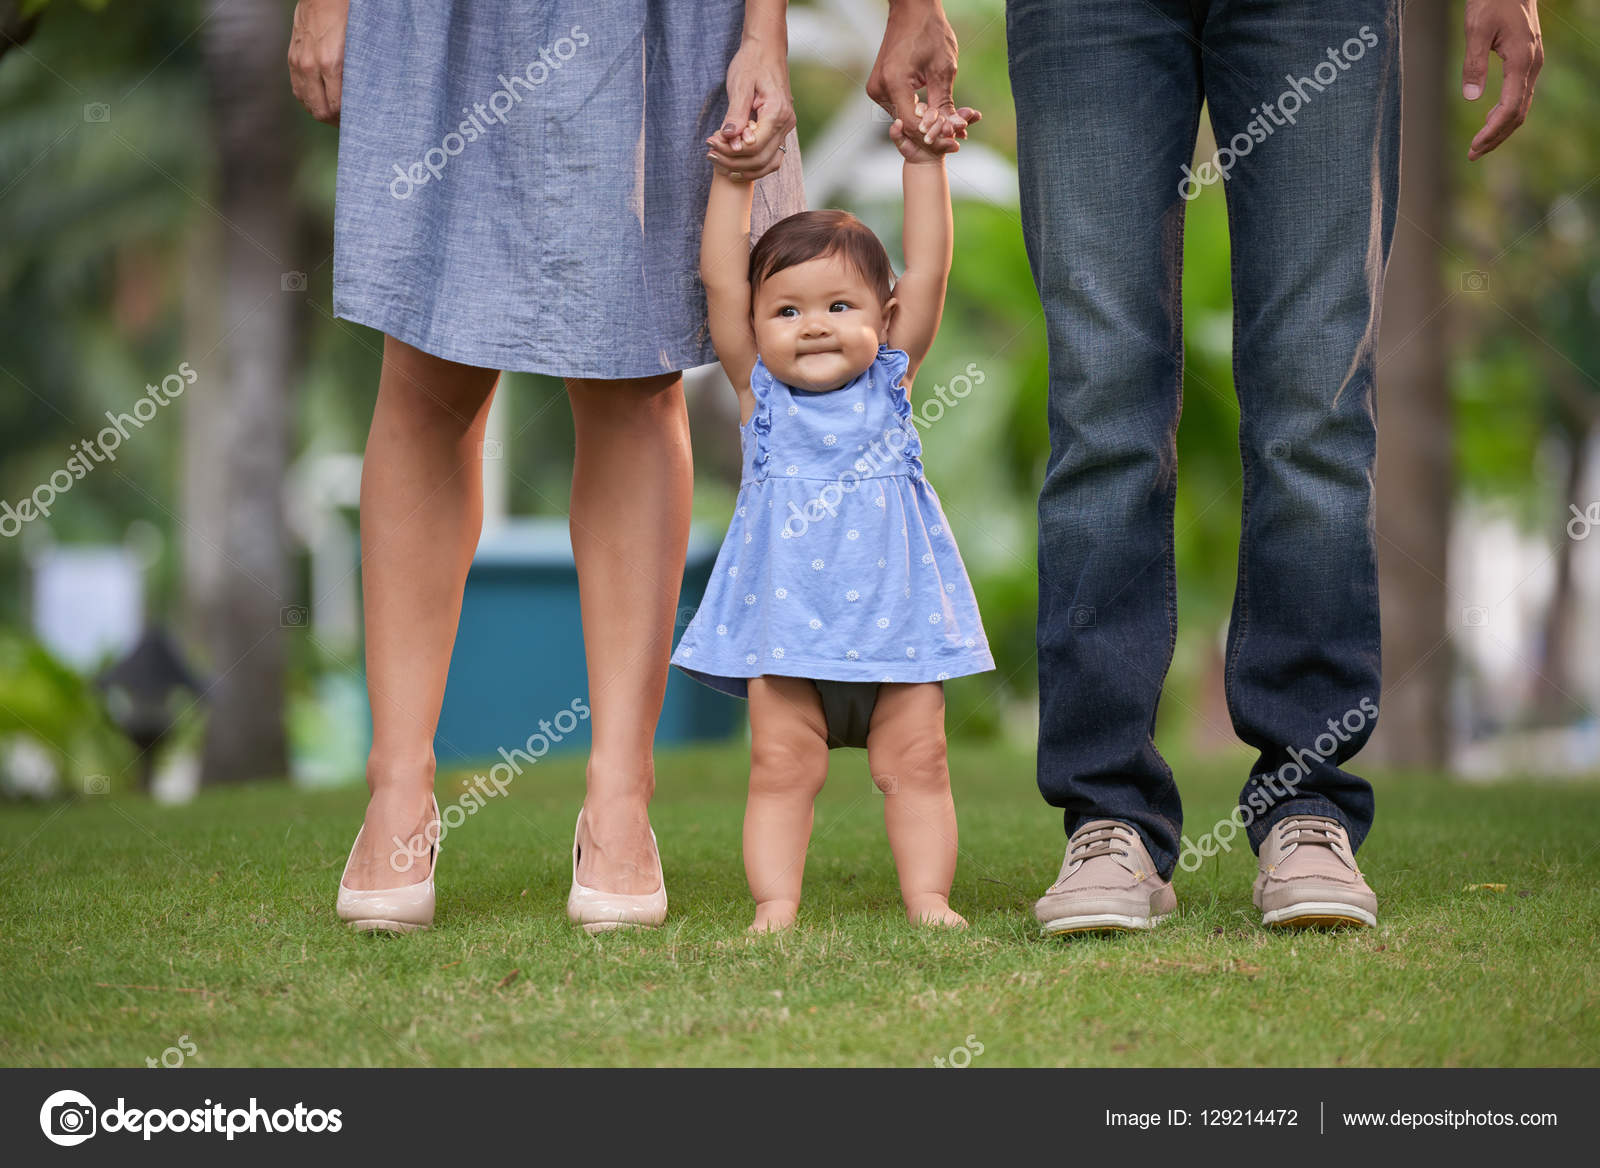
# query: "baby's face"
818,325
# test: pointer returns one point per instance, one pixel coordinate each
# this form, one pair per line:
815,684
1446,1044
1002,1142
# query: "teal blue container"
518,659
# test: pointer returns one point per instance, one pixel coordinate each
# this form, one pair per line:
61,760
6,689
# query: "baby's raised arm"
919,293
725,271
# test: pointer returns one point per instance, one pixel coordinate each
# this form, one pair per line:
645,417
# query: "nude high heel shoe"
390,910
599,911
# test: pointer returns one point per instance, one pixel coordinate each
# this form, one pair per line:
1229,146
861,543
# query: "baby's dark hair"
810,235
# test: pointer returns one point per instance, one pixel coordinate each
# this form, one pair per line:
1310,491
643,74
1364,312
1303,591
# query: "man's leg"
1306,99
1108,101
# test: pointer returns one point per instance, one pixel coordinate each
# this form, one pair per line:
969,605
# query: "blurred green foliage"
52,707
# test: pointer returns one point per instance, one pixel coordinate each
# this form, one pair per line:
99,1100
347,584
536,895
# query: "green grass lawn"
127,926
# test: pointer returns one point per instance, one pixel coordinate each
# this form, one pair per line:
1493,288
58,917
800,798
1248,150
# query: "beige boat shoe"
1108,883
1308,877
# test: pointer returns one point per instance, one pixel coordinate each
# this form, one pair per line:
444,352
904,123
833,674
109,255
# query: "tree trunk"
244,52
1554,703
1415,468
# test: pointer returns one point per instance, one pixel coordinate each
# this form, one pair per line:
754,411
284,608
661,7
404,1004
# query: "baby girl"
839,603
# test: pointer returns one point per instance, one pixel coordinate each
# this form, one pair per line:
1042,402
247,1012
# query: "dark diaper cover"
847,709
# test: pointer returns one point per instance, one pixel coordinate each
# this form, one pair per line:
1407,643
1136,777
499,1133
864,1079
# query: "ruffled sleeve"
761,387
893,362
892,365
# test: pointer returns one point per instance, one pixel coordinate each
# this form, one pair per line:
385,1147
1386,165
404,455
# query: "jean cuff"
1299,805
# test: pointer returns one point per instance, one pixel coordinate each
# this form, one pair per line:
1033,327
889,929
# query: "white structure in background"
88,601
321,493
331,728
87,604
496,488
1501,584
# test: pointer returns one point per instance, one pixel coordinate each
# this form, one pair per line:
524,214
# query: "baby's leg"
788,765
906,753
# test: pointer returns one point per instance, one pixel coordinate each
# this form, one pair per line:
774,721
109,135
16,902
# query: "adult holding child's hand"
751,141
521,186
919,52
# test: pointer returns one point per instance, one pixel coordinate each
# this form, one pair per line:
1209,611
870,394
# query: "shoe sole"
1100,923
593,928
378,926
1319,914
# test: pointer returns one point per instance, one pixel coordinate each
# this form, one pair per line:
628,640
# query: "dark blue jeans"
1306,100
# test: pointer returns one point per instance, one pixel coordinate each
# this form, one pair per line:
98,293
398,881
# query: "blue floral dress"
839,562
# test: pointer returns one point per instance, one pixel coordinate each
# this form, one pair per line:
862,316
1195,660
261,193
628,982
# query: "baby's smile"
817,324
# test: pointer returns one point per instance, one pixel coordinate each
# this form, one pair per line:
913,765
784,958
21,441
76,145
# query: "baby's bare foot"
773,915
934,910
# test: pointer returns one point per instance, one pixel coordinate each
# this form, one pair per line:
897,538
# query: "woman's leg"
632,483
421,511
788,766
906,753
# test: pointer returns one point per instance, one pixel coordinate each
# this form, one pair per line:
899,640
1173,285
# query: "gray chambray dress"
522,182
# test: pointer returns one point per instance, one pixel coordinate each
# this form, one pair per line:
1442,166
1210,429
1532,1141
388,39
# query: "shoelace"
1111,839
1310,829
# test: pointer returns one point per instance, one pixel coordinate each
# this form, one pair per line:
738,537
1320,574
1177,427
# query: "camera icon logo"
293,617
491,448
1280,448
96,785
67,1118
1474,281
97,111
1081,616
294,281
1475,617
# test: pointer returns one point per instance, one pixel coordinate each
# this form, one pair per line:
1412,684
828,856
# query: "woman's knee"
658,391
432,391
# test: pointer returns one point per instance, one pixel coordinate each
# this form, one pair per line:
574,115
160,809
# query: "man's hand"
760,112
316,56
1510,28
919,50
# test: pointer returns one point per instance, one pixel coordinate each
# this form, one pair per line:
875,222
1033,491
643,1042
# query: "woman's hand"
316,56
760,111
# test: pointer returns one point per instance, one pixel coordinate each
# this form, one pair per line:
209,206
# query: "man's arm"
919,51
725,271
1509,29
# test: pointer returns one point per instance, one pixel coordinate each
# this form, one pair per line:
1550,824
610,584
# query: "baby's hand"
911,147
943,131
727,152
936,134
